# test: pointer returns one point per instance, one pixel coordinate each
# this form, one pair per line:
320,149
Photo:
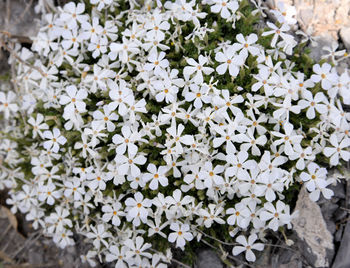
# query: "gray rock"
295,262
345,36
339,234
19,19
4,67
328,208
287,257
306,16
338,189
342,259
315,240
340,214
208,259
322,40
35,256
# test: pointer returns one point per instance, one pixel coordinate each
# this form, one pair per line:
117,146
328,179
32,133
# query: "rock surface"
18,18
208,259
342,259
312,229
327,19
345,36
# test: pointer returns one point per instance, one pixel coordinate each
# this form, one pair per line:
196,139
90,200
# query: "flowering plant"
180,120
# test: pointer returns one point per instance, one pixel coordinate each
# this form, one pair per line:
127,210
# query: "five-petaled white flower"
324,74
7,103
198,69
339,149
181,234
74,100
224,7
137,208
229,60
247,246
55,139
156,176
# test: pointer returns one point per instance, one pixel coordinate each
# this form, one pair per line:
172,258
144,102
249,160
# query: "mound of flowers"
147,126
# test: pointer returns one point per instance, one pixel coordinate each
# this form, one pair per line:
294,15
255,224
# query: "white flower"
157,63
98,47
96,132
302,155
136,106
211,216
121,96
122,50
89,258
177,138
245,45
285,108
137,208
156,176
198,69
55,139
240,214
277,32
157,25
38,125
166,91
238,164
199,95
289,138
74,187
230,60
49,193
266,80
127,165
249,141
313,103
101,3
176,202
113,212
224,7
324,74
93,30
106,117
285,13
58,220
127,141
137,249
210,174
36,216
99,235
74,100
272,184
97,180
119,255
181,234
247,246
73,13
338,149
276,216
71,40
157,226
7,104
316,181
63,238
87,147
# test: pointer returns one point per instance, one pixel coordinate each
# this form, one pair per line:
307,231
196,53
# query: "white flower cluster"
162,120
